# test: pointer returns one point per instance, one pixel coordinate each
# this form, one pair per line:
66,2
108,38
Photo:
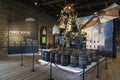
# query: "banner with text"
23,37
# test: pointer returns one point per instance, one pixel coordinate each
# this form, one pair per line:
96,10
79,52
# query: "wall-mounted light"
44,31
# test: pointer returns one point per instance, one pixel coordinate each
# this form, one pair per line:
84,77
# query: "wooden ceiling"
83,7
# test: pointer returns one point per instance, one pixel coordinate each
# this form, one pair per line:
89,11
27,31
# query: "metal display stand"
21,59
33,63
51,66
83,77
106,65
97,76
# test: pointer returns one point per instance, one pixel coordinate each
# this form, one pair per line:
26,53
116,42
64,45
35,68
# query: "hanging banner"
23,37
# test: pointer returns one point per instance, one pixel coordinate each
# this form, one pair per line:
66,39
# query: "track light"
35,3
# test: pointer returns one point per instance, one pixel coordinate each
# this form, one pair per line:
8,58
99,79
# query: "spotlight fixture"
35,3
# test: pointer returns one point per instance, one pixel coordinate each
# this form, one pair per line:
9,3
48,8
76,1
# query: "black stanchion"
83,78
33,63
106,67
51,66
83,64
97,76
21,59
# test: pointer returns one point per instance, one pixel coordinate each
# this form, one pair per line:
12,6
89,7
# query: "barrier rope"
94,67
91,70
70,72
87,72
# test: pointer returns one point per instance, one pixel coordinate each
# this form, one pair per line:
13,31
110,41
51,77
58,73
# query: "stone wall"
11,10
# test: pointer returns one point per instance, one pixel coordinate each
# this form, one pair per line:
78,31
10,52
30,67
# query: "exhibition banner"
23,37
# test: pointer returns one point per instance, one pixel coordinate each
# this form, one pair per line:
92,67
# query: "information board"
23,37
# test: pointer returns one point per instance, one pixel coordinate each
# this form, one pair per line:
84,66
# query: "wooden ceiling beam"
53,7
94,4
86,5
89,12
52,2
52,12
106,4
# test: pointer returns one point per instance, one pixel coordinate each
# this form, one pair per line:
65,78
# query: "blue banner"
108,29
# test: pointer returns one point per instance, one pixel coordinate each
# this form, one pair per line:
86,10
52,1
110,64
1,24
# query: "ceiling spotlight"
35,3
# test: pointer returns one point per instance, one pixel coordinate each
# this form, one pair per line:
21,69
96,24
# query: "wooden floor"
10,69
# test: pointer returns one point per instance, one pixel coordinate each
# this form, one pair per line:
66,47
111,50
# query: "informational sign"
23,37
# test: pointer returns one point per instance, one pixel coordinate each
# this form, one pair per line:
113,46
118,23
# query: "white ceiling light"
35,3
